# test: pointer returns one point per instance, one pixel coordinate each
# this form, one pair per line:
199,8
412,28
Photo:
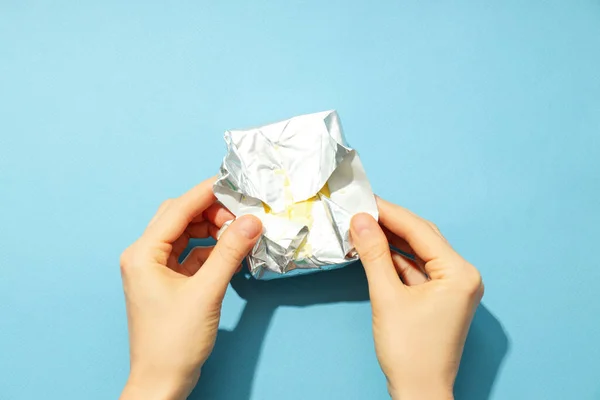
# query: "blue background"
483,116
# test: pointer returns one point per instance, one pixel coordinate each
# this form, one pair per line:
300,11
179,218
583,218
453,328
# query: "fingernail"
249,226
362,223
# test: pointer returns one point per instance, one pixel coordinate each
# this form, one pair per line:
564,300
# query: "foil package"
304,182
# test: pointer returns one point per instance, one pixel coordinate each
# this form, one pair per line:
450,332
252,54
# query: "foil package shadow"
304,182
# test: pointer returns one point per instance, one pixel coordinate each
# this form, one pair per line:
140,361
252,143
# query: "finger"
436,230
230,250
180,212
399,244
426,243
218,214
408,270
199,230
195,259
161,209
372,246
214,232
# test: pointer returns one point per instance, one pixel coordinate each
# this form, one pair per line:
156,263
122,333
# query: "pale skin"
422,309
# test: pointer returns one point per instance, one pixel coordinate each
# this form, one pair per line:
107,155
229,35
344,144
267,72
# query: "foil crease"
303,181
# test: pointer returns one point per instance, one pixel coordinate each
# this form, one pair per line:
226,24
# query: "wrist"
426,391
157,388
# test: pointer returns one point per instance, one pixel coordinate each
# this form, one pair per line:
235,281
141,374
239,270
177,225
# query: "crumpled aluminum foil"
304,182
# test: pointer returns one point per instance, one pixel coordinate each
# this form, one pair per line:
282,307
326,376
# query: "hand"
173,308
422,309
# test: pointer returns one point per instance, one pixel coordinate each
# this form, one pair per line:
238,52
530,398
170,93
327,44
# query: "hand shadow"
229,371
485,350
236,352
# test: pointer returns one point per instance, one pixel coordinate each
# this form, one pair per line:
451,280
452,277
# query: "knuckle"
165,203
473,283
130,258
431,224
434,227
126,259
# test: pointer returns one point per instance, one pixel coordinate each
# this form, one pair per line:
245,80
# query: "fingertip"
211,181
249,226
217,214
372,246
367,236
362,225
232,247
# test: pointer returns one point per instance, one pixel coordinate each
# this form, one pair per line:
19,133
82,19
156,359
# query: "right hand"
422,310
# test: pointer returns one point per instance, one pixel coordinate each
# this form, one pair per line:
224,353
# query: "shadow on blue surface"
236,352
485,350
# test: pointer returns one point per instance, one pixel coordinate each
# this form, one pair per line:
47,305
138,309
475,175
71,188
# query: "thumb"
229,252
374,251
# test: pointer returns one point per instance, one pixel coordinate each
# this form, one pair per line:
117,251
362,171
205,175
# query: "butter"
296,211
299,212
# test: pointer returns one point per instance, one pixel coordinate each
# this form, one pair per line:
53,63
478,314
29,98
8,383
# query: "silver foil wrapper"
304,182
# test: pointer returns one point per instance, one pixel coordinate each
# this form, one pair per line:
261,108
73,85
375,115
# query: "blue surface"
482,116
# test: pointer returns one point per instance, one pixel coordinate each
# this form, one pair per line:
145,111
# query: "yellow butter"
300,212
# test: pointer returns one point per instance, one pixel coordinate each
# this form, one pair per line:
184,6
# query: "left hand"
173,308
